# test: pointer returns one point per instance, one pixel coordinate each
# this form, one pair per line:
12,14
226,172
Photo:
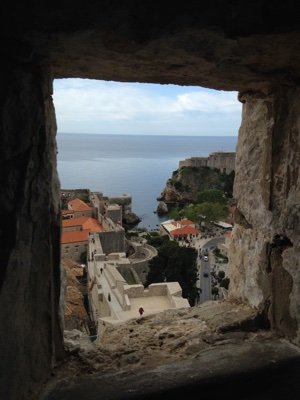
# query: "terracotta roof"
67,212
75,236
186,230
85,222
93,225
78,205
73,222
185,222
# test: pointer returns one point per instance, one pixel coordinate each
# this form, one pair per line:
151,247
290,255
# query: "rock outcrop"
130,219
186,182
168,336
162,208
75,315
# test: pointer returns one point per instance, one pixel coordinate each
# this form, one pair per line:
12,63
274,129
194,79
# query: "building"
223,225
74,243
76,230
223,161
179,230
112,300
79,208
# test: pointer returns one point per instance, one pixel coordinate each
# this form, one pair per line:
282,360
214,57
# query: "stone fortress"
224,161
111,299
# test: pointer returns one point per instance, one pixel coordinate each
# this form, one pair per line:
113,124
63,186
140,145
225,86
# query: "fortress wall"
133,291
158,289
141,268
112,242
225,162
124,201
114,212
74,250
113,275
194,162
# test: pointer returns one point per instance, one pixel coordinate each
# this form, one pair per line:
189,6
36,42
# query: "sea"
138,165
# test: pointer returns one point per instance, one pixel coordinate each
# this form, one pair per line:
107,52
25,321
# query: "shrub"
225,283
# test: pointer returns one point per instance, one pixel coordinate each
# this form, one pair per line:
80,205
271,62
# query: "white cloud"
219,102
80,103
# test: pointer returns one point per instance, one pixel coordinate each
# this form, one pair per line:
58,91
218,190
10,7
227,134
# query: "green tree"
156,272
157,241
225,283
191,212
215,292
175,213
175,264
212,196
211,212
221,275
207,212
228,180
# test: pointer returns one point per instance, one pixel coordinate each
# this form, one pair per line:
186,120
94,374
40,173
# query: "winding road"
204,269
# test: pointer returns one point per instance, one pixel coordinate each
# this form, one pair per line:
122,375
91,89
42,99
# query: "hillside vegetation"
187,182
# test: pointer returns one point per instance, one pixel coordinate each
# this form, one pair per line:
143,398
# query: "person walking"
141,311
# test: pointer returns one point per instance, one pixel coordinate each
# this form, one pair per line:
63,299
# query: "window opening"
119,147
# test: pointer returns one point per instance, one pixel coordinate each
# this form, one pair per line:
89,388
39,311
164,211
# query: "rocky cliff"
186,182
149,356
75,315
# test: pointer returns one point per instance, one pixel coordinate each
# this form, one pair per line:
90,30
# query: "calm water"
138,165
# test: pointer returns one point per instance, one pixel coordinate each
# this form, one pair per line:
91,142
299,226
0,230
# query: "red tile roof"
67,212
184,222
93,225
186,230
85,222
75,236
78,205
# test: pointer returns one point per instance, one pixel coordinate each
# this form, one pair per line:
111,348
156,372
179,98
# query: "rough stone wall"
112,241
265,251
224,161
74,250
30,330
194,162
218,44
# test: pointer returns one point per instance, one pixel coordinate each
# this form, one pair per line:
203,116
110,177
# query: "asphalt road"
204,269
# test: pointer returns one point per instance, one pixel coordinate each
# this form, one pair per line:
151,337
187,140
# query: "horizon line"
140,134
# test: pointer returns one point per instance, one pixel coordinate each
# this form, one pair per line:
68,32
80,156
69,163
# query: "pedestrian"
109,299
101,270
141,310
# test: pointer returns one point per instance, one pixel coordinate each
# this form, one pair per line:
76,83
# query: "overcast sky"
90,106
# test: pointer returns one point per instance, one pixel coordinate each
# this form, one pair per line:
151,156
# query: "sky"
106,107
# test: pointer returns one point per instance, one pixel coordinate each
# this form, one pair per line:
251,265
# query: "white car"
205,258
